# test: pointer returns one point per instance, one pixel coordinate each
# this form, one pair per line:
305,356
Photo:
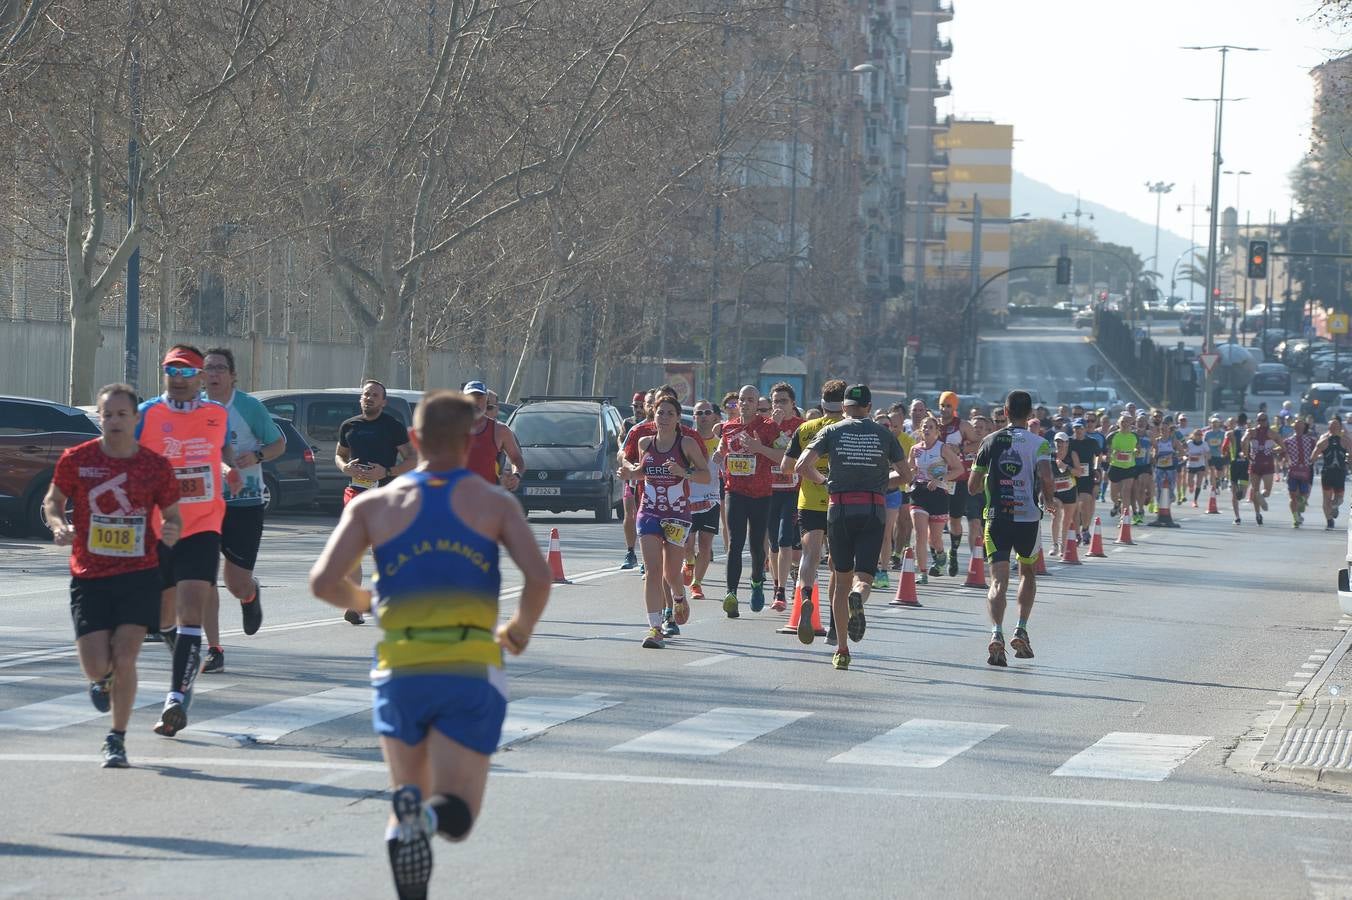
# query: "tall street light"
1224,50
1159,189
1077,212
1240,173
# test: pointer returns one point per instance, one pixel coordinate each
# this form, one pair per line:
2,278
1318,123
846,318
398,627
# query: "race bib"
1123,456
1084,470
195,484
782,478
742,464
123,536
1064,484
364,484
949,486
676,531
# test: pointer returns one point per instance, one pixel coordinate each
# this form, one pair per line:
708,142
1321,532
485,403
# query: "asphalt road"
735,763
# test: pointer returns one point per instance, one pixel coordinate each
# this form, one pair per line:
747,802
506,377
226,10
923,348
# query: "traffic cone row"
796,615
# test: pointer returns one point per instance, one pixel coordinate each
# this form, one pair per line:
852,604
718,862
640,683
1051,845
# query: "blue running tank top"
436,592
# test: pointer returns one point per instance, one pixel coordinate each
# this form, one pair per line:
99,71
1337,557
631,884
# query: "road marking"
535,715
711,660
10,679
72,709
1133,756
1292,684
268,723
717,731
1312,665
919,744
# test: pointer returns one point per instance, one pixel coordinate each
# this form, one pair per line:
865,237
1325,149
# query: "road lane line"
268,723
11,679
919,744
711,660
530,716
1132,756
72,709
711,733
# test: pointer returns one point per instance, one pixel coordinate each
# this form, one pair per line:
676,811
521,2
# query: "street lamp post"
1077,212
1159,189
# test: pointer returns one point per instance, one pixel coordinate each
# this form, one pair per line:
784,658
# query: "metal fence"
1163,374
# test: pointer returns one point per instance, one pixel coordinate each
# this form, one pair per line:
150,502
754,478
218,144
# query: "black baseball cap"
858,395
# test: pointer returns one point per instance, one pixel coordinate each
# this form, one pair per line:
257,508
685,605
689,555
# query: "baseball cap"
475,387
182,356
1062,436
1078,423
638,398
858,395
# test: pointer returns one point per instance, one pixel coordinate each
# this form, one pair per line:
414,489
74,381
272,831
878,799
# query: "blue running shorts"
469,711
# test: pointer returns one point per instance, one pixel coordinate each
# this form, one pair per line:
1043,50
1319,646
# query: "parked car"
569,444
1271,376
33,434
1319,398
1084,318
316,413
1091,397
289,481
1342,409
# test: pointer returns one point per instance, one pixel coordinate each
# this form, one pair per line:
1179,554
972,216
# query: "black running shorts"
194,558
102,604
1004,537
1332,479
855,535
1117,473
811,520
241,533
705,522
957,501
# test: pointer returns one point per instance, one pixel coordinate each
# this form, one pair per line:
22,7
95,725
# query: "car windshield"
553,428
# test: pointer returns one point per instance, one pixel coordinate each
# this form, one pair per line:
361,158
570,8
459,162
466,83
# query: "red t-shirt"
114,531
785,481
644,429
747,473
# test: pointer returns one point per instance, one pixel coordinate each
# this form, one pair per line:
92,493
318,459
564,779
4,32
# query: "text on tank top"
665,495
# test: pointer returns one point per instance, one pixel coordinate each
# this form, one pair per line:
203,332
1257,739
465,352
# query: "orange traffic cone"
556,558
1072,555
906,586
1211,509
796,616
976,568
1096,539
1124,531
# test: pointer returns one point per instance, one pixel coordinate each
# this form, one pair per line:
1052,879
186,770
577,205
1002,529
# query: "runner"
935,465
254,439
1143,488
1332,449
1214,437
785,545
1122,447
373,449
193,434
957,434
1298,449
746,457
1236,450
1019,467
861,455
1086,450
642,403
813,502
1198,453
704,500
1167,451
115,486
1065,499
492,444
440,688
976,503
1181,437
1262,449
901,532
668,462
894,500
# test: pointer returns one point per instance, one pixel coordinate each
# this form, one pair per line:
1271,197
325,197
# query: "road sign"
1209,360
1338,323
1095,373
913,342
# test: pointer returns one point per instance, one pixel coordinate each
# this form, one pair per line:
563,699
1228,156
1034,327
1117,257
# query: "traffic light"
1258,259
1063,270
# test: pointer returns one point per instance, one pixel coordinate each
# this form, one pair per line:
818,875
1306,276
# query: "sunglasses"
731,404
181,371
216,369
705,412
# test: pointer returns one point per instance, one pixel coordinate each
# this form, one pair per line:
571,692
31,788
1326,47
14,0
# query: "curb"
1131,386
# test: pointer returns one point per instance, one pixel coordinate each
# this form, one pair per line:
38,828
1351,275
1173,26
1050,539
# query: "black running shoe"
953,564
215,663
115,753
252,611
1258,518
354,617
830,635
411,847
101,693
1023,648
855,626
173,719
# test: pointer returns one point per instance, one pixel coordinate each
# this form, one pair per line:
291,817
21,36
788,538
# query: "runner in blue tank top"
440,689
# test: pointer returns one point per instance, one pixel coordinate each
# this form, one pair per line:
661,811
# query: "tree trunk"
85,339
165,313
380,362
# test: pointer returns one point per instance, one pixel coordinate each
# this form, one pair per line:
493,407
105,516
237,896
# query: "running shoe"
101,693
354,617
780,603
856,625
115,753
1329,526
730,606
687,573
153,637
1084,538
1152,508
830,636
654,640
881,581
173,718
669,626
1138,519
1258,517
922,578
896,562
696,591
215,661
936,570
1023,648
411,847
1236,520
1117,508
681,613
995,653
841,660
757,596
642,570
793,574
630,560
805,631
252,611
953,564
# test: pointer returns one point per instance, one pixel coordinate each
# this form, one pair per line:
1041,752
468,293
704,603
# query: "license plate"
542,491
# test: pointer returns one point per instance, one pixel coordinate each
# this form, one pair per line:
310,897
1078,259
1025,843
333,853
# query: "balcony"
943,88
939,160
943,47
945,11
937,198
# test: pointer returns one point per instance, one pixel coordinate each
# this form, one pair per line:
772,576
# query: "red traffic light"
1256,259
1215,292
1103,295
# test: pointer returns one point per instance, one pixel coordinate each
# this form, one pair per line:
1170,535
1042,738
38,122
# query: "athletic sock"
1022,626
997,634
187,658
654,619
118,734
954,540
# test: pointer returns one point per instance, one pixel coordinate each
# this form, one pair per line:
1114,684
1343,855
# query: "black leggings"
744,512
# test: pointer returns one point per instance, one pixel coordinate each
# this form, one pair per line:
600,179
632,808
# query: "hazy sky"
1095,92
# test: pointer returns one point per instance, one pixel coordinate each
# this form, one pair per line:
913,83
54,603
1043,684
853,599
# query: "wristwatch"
689,471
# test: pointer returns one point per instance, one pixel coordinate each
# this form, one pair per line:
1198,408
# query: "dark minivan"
569,444
33,435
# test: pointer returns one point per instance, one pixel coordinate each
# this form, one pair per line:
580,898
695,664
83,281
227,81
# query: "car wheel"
272,494
34,523
603,509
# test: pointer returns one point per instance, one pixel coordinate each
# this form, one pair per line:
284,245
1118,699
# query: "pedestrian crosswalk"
916,743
